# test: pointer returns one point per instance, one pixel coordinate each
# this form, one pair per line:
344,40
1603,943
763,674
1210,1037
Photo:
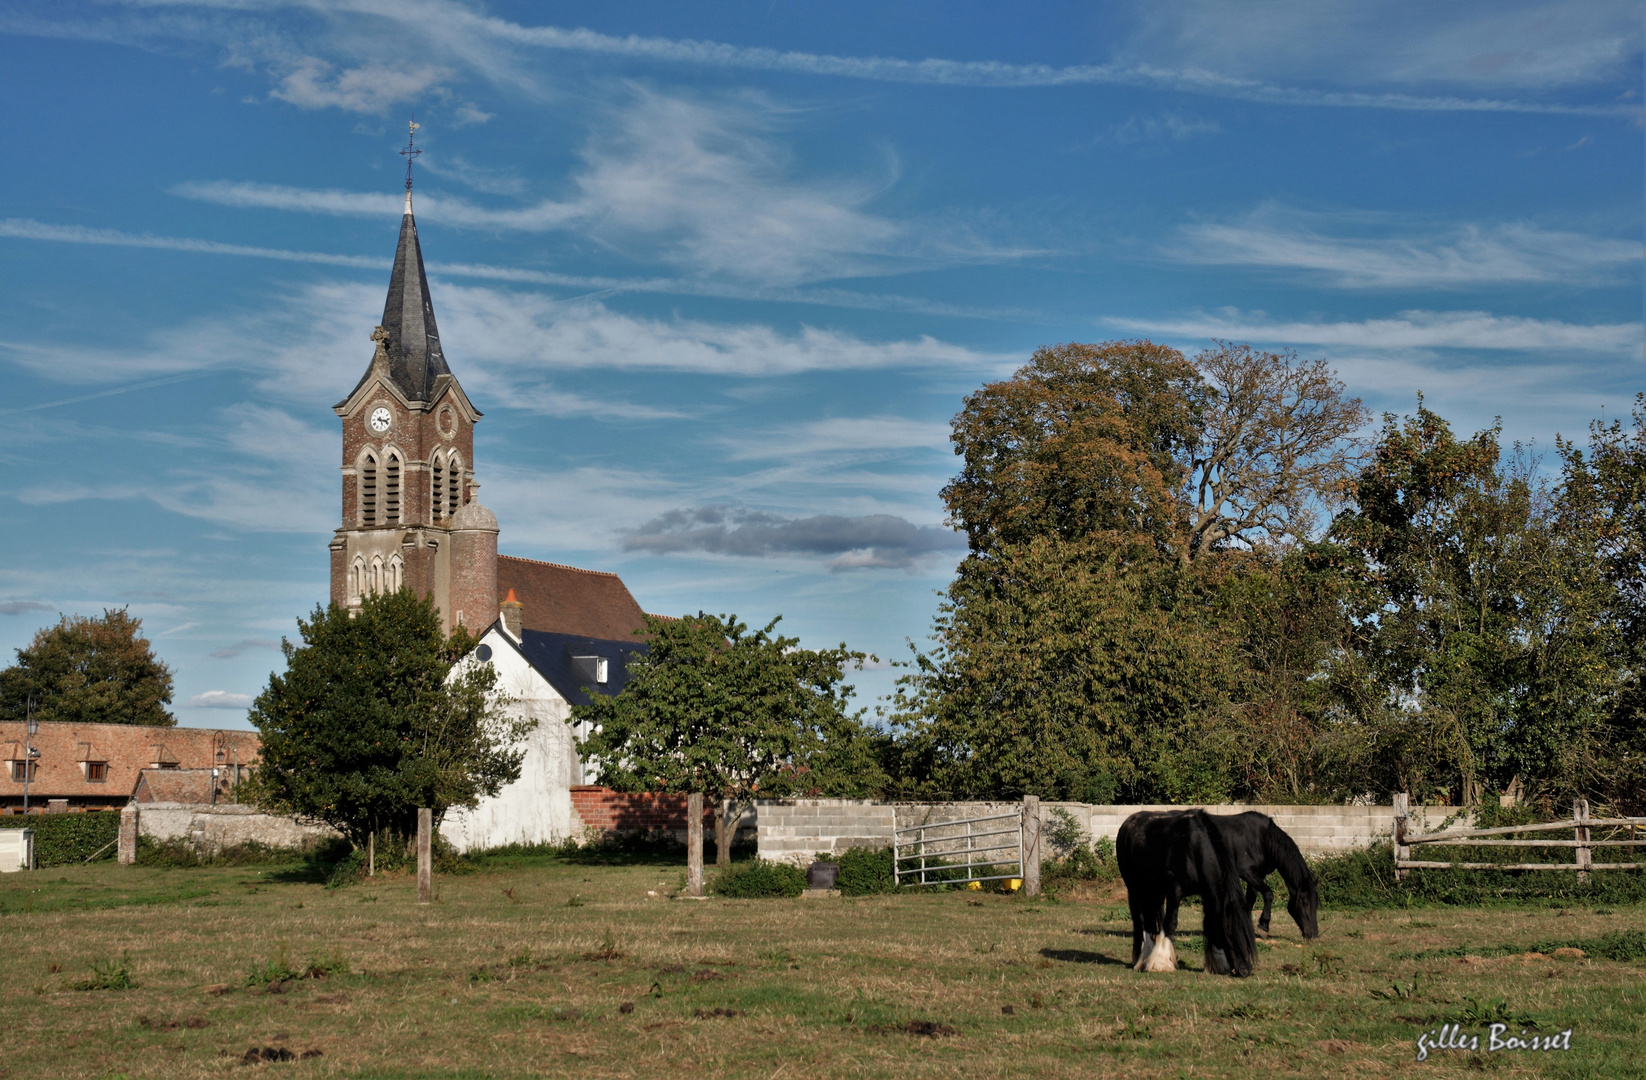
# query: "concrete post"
1398,833
724,830
1580,814
1031,845
694,844
125,851
425,859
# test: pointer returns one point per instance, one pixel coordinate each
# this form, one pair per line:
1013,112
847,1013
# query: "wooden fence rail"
1582,842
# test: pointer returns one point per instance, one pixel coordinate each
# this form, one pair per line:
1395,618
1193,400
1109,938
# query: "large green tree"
713,707
379,714
90,671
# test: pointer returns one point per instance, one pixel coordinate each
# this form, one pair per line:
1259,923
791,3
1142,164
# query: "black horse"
1260,847
1165,856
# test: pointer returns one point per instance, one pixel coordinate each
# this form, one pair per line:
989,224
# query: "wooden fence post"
1402,852
126,851
425,856
694,844
724,831
1031,845
1580,815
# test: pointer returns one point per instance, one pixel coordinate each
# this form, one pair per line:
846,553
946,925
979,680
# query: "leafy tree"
378,715
711,707
90,671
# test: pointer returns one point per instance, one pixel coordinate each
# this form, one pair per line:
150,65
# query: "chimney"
512,612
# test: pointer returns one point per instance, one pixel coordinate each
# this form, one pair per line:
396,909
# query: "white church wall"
537,808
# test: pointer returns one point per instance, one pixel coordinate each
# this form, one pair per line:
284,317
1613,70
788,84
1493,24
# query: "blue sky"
720,274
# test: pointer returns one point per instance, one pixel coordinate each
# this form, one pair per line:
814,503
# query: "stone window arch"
396,574
375,577
437,486
357,579
454,483
392,469
367,474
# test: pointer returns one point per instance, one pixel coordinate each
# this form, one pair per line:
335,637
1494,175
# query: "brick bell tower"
411,517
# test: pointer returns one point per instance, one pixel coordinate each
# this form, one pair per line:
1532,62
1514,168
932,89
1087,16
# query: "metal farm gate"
994,847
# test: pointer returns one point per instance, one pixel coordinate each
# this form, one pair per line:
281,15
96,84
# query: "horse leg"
1139,938
1268,903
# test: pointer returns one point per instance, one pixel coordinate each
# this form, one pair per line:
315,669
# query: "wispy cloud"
1404,330
313,83
220,699
22,607
1321,247
1165,127
874,541
842,437
244,645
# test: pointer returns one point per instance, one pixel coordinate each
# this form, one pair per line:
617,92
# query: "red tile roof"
127,749
562,599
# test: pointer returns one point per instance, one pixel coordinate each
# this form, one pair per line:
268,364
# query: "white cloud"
370,88
1405,330
1166,126
844,436
1459,256
220,699
1488,44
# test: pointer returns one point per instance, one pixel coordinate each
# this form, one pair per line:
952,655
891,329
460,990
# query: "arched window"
368,489
397,574
454,484
376,582
391,488
357,579
437,490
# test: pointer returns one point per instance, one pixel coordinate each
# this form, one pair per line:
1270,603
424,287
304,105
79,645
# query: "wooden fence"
1583,842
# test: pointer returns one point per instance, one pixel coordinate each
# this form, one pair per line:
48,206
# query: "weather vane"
411,151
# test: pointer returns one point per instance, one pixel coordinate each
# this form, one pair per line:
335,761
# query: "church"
412,517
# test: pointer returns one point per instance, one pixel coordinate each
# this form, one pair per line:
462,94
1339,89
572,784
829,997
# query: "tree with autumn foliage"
89,671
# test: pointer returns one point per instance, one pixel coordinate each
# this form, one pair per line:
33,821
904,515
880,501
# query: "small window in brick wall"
24,770
97,772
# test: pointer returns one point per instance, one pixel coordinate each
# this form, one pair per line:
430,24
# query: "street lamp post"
30,728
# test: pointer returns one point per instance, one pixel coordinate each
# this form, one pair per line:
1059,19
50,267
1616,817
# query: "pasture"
542,967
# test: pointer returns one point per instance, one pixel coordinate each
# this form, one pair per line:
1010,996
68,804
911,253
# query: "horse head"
1303,902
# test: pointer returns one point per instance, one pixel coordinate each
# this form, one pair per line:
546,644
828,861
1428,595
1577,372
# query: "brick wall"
607,810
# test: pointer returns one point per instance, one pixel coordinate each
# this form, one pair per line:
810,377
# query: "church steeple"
415,359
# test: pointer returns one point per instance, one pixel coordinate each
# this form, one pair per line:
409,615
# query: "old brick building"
97,766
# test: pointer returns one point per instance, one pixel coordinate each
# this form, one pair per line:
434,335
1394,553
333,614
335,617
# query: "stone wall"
793,830
210,829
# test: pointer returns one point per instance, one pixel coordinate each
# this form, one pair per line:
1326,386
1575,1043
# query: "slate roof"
564,600
555,658
415,358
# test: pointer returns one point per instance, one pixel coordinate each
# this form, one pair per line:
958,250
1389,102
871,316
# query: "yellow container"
1014,884
974,885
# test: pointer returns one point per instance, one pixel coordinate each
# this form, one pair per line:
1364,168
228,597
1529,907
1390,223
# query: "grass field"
550,968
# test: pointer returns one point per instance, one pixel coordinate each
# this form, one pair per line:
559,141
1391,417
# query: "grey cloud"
220,699
873,541
229,652
19,607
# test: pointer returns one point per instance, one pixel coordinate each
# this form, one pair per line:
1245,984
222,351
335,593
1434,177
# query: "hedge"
68,839
760,880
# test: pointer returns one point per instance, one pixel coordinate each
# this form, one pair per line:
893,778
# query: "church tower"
410,513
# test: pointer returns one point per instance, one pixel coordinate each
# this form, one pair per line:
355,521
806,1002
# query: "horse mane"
1281,851
1236,919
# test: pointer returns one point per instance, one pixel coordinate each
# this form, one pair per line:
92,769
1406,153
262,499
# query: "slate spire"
415,359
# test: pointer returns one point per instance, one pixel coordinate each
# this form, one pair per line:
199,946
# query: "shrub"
108,975
865,871
68,839
1365,879
760,880
178,853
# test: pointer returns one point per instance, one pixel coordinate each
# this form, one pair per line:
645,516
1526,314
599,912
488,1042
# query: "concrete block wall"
794,830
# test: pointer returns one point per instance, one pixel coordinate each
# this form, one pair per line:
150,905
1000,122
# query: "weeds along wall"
212,828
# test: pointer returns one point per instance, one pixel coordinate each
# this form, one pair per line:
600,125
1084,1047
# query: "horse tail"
1231,913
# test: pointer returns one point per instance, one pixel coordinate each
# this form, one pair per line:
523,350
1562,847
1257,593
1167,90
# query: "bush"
394,855
178,853
865,871
760,880
68,839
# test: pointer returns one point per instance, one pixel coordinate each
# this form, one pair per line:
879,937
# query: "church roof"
559,599
413,347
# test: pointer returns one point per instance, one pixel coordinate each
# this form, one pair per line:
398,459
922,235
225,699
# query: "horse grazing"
1165,856
1260,847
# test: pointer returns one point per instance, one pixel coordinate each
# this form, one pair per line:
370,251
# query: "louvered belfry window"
437,500
454,484
391,489
368,490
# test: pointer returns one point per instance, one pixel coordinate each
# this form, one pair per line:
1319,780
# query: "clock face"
380,420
